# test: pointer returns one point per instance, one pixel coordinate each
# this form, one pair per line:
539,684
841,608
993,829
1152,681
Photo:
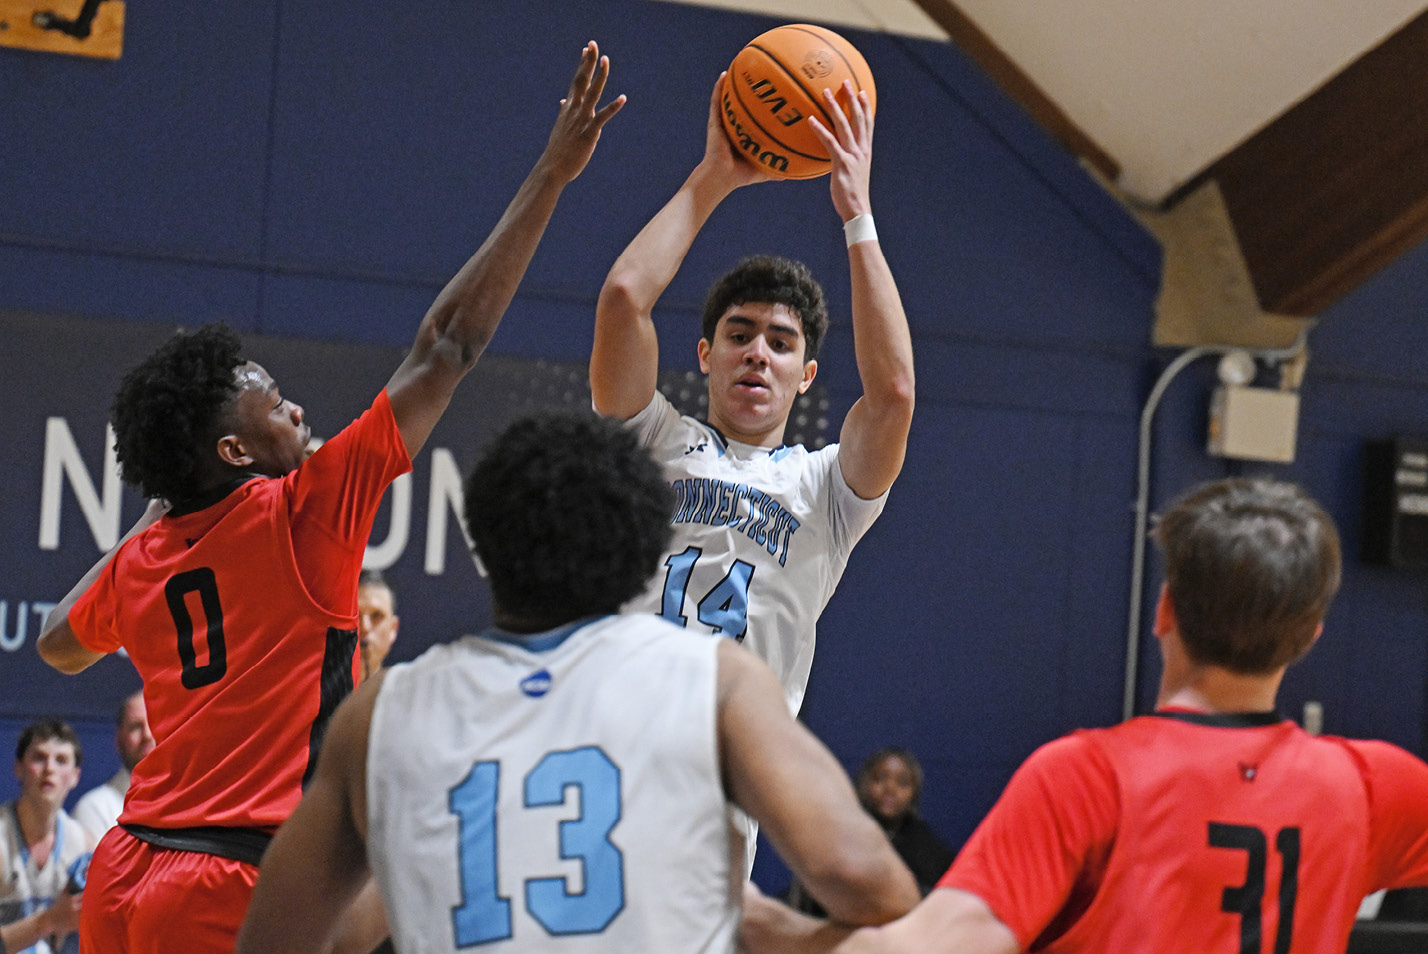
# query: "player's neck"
771,438
1217,690
38,823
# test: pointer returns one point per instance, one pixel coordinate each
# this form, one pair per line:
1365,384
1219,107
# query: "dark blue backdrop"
313,173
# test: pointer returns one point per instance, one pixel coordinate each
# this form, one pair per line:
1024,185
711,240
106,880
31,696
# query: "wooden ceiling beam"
1337,187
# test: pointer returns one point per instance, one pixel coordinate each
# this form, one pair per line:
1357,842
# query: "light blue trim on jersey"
722,442
539,642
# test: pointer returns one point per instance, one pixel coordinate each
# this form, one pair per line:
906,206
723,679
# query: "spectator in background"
40,844
889,786
98,809
377,619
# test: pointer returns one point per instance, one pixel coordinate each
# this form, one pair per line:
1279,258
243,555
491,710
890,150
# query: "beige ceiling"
1164,89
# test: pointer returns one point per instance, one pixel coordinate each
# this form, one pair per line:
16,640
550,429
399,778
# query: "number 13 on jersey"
585,775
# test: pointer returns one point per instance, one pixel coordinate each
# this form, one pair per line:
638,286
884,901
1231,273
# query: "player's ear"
810,371
1165,622
231,451
703,349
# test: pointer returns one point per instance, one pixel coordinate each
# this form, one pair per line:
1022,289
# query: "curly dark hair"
169,408
776,281
569,515
1251,567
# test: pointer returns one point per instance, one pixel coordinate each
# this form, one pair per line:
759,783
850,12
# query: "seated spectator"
377,619
98,809
41,847
889,786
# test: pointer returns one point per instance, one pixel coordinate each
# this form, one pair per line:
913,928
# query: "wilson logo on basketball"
745,142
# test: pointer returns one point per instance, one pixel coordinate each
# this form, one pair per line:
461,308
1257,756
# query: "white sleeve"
850,515
659,424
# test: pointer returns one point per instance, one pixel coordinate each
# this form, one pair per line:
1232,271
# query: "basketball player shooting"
238,604
762,532
561,780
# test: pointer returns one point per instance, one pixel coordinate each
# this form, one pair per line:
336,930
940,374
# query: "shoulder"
1386,768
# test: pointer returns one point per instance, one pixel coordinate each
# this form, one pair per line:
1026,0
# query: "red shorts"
141,899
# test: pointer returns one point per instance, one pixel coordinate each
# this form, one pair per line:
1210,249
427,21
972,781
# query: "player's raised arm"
465,314
624,361
778,772
317,863
874,435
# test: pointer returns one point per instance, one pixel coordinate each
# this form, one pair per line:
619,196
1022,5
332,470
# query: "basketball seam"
748,111
813,97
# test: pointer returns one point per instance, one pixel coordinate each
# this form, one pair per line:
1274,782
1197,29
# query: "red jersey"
241,618
1186,832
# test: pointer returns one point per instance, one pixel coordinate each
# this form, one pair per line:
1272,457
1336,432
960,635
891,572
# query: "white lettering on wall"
11,642
445,495
62,460
63,464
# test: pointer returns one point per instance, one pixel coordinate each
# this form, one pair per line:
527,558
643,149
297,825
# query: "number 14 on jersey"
724,609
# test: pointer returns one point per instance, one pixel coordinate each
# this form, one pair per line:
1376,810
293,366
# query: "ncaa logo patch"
536,684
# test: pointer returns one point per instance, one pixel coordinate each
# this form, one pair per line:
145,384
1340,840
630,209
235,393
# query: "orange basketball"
775,83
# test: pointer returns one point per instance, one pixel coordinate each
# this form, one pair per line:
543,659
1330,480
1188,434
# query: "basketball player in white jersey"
762,532
560,782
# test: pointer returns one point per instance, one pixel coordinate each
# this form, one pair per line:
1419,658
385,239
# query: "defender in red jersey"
1212,825
236,595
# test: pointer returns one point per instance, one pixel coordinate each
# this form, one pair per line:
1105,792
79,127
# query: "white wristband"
860,228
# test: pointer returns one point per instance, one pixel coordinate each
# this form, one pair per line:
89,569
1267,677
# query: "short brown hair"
45,730
1251,567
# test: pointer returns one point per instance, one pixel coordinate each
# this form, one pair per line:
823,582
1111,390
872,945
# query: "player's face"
889,789
271,428
376,626
47,771
756,368
133,738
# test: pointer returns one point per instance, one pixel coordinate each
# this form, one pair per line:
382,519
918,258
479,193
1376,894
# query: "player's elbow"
860,886
58,652
892,404
619,299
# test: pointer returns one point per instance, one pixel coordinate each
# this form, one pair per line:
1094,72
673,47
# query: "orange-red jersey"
1195,833
241,618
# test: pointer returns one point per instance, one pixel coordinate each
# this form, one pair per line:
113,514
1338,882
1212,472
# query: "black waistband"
236,844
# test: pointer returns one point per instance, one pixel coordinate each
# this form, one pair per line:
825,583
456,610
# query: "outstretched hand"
577,127
850,146
720,157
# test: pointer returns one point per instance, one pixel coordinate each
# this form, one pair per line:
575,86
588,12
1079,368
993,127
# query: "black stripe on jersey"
334,686
1224,720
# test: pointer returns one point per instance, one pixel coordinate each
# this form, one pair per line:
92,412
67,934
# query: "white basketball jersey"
761,539
559,793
